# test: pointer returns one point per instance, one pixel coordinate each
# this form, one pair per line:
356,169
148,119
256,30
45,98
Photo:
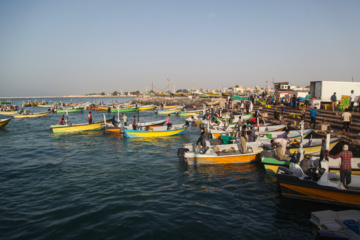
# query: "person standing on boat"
323,151
62,120
285,136
243,139
313,114
347,120
345,167
280,145
352,101
307,100
124,118
202,141
168,123
113,122
333,101
134,125
90,118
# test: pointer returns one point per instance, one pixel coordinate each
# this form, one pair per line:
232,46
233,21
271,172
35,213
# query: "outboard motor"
181,153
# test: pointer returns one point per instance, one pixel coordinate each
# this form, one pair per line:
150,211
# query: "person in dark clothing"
202,141
113,121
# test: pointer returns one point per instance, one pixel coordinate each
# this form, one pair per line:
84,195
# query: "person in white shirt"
352,101
347,120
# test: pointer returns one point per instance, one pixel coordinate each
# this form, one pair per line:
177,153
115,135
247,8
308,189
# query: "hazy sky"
52,48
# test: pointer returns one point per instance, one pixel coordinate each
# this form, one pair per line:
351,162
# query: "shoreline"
70,96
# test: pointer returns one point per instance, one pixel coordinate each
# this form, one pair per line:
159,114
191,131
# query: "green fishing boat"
122,110
69,110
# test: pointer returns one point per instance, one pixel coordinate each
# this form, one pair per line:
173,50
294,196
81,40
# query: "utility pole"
152,86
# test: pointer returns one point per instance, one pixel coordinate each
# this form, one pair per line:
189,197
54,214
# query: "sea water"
92,185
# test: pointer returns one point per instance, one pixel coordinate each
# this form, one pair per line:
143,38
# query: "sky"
73,47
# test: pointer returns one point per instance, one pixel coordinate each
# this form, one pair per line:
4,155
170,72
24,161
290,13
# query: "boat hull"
4,122
147,108
145,134
187,114
312,150
77,127
122,110
70,110
34,115
8,113
150,125
293,187
198,159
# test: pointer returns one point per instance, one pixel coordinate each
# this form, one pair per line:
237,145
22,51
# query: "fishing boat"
77,127
212,103
213,94
69,110
5,102
122,110
156,131
170,111
8,113
31,115
46,106
173,106
102,108
312,146
109,128
189,113
220,154
318,185
337,224
4,122
147,107
271,164
225,94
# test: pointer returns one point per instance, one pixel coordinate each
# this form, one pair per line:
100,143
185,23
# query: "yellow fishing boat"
100,108
312,146
173,106
323,186
213,94
170,111
46,106
4,122
8,113
31,115
147,107
157,132
77,127
190,113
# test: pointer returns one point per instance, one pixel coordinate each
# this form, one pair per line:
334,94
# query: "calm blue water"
96,186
